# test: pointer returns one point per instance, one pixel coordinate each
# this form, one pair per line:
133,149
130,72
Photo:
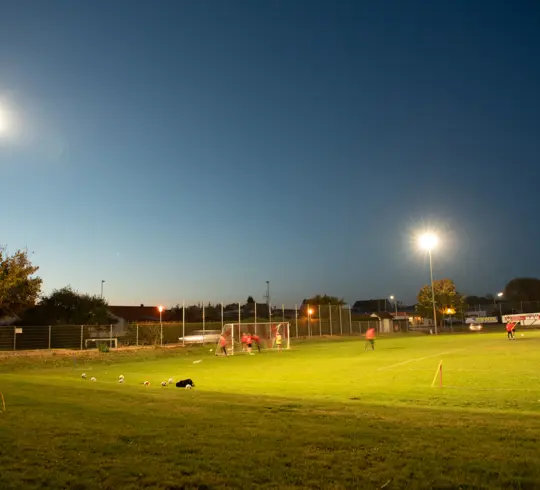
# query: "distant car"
475,327
198,337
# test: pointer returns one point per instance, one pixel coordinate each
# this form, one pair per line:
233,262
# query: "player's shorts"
249,345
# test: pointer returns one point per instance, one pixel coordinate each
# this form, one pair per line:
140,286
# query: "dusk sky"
195,149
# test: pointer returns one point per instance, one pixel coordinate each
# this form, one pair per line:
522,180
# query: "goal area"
266,332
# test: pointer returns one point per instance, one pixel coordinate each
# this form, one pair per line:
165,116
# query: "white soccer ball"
164,383
93,379
121,376
171,381
188,387
121,380
83,375
211,350
146,383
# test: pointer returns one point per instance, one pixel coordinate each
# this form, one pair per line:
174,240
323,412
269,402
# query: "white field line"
403,363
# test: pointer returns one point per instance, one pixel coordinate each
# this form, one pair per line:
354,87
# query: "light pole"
309,313
395,303
160,309
500,295
102,282
428,241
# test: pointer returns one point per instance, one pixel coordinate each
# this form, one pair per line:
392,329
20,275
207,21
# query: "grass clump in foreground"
323,415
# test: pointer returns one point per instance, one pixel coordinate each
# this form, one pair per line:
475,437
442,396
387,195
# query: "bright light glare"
4,123
428,241
310,312
392,298
500,295
160,308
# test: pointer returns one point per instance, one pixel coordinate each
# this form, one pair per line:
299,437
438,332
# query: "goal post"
266,332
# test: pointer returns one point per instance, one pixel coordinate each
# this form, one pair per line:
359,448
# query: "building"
367,307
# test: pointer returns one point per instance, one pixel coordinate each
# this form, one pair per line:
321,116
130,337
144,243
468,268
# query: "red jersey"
244,338
222,341
509,327
370,334
248,339
256,338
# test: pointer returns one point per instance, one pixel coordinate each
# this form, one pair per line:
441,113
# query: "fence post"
340,322
110,336
14,338
137,336
296,319
283,313
350,319
320,322
330,319
184,322
82,335
204,323
50,335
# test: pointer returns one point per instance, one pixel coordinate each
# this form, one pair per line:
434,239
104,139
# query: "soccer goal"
111,342
266,332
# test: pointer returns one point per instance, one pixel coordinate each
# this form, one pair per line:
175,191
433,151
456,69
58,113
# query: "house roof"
139,313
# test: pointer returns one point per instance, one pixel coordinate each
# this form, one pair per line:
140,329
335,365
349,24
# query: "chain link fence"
334,321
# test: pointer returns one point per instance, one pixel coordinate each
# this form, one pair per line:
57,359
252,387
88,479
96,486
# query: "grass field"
326,414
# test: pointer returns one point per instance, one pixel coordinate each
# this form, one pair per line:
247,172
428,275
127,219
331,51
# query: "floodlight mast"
428,241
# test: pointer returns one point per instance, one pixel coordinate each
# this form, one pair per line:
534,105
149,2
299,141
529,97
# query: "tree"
446,296
324,300
250,300
67,307
19,288
523,289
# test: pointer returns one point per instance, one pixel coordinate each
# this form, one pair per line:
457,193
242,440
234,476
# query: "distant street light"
428,241
309,312
160,309
500,295
395,303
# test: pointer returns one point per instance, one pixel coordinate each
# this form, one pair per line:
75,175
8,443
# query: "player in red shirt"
510,329
257,340
249,339
244,341
223,344
370,338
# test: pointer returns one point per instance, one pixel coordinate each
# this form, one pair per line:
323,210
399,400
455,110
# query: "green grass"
324,415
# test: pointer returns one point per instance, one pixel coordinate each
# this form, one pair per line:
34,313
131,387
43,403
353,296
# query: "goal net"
264,336
110,342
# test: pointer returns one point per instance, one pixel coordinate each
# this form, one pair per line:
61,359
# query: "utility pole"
268,297
102,282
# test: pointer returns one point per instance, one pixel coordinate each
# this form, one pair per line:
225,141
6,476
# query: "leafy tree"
19,288
523,289
250,300
324,300
67,307
446,296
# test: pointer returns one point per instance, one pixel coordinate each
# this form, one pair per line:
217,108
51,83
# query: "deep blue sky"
196,149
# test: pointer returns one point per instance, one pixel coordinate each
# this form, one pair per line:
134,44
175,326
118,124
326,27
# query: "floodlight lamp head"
428,241
500,295
160,308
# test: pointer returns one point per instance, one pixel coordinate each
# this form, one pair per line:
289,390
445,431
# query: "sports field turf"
326,414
